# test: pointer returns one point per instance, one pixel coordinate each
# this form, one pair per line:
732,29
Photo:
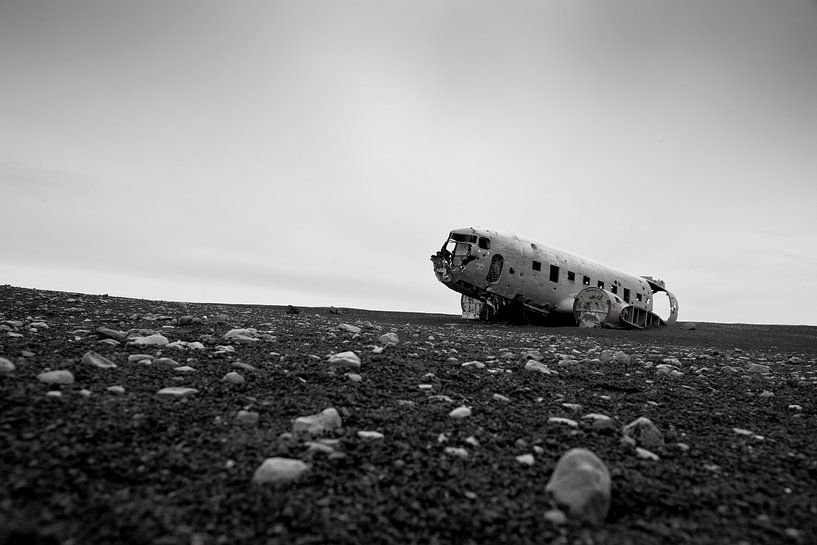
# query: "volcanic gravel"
87,463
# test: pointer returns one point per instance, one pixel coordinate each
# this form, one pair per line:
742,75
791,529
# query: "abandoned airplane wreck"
504,277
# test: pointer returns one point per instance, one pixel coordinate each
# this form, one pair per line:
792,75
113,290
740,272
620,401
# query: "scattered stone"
460,412
175,392
457,452
242,336
92,358
56,377
388,339
526,459
500,397
758,368
620,358
141,358
6,366
317,424
581,482
118,390
646,454
370,435
475,364
233,378
354,377
278,471
533,365
556,517
184,369
54,394
150,340
560,420
348,359
109,333
247,418
349,328
688,325
644,433
600,421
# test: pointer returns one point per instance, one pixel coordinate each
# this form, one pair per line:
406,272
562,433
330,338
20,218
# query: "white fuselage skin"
539,275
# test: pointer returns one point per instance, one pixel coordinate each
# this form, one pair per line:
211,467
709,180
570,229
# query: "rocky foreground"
133,421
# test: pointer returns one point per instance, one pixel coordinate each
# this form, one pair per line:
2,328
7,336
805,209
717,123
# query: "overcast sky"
317,153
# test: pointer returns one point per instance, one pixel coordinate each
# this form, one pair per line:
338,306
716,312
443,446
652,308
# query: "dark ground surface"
134,468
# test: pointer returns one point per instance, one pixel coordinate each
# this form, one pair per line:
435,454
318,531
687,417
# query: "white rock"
475,364
354,377
600,421
54,393
460,412
172,392
560,420
325,421
349,328
150,340
526,459
6,366
92,358
500,397
348,359
646,454
533,365
581,482
555,517
458,452
139,358
279,470
118,390
184,369
248,418
370,434
56,377
389,338
233,378
240,332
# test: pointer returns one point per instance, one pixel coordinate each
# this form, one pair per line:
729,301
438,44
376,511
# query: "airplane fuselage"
496,272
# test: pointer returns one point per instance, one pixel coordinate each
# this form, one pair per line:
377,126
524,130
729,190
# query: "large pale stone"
581,483
6,366
56,377
349,328
279,470
150,340
97,360
538,366
176,392
388,338
644,433
349,359
316,424
460,412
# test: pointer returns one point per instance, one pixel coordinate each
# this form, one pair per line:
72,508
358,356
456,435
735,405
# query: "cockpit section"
452,264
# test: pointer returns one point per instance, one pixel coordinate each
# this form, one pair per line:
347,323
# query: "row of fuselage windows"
571,277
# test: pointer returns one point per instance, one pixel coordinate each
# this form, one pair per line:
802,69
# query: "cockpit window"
459,237
484,243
